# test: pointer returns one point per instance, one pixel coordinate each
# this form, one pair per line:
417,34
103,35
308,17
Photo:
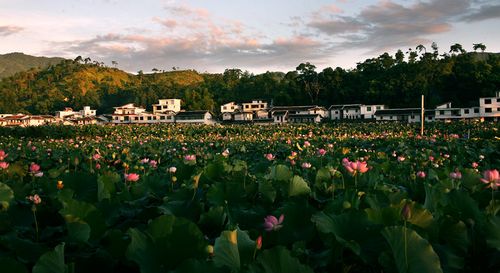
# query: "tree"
479,46
435,52
457,48
309,80
400,56
421,48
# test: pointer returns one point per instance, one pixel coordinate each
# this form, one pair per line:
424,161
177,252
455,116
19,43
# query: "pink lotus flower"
131,177
456,175
4,165
474,165
225,153
172,169
35,199
306,165
355,167
153,164
401,158
306,144
321,152
421,174
3,155
431,158
271,223
190,158
96,157
34,168
269,157
145,160
98,166
492,178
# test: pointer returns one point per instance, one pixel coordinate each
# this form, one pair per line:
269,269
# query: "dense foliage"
292,198
397,81
12,63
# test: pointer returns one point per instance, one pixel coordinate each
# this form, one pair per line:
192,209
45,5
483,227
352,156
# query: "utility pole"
422,117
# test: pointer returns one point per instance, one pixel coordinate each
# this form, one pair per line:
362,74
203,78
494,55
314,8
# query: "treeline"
395,80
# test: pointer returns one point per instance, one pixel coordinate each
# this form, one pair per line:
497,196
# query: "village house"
298,114
167,106
410,115
354,111
489,108
69,113
199,117
245,111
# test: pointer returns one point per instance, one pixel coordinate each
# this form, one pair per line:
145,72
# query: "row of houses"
258,111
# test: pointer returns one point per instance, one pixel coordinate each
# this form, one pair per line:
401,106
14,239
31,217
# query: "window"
487,110
498,109
487,101
476,110
246,106
466,111
368,108
378,107
441,112
225,108
498,100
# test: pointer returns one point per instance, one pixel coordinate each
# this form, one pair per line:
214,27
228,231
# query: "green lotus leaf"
414,255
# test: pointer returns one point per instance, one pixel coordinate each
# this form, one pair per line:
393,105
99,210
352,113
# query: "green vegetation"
288,198
397,81
12,63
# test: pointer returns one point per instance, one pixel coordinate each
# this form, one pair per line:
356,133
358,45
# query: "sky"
257,35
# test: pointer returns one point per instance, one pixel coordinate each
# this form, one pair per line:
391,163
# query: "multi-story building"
489,108
298,114
167,106
245,111
354,111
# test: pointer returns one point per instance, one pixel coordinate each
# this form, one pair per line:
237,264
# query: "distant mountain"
12,63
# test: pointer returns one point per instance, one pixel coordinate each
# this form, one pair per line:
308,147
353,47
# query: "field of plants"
294,198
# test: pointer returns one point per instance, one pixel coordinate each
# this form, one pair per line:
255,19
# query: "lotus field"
294,198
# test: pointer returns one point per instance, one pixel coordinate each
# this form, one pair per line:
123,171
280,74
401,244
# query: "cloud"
194,38
9,30
388,24
484,13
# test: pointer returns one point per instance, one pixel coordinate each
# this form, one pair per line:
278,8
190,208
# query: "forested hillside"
395,80
12,63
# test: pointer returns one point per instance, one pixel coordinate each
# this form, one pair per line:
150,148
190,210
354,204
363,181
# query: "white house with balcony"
253,106
128,113
167,106
354,111
69,113
445,112
489,108
245,111
230,107
298,114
